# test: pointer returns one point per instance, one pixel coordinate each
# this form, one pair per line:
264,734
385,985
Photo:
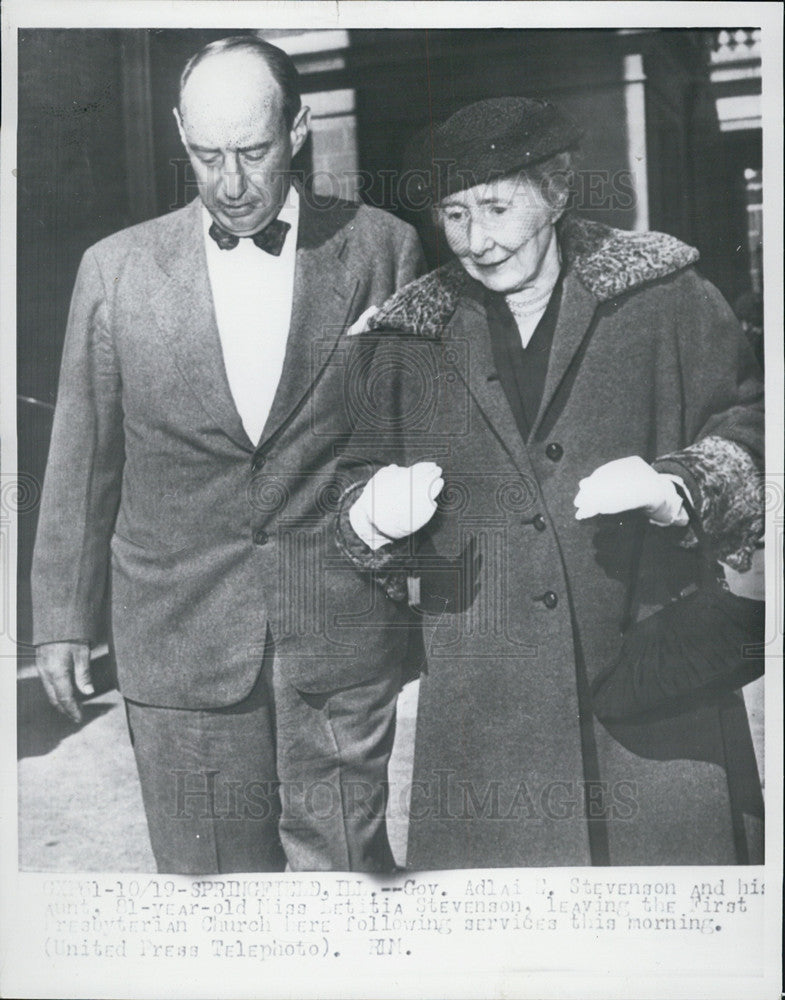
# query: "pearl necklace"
521,305
530,301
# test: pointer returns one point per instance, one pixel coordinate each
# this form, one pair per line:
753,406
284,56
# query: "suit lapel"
182,301
183,305
324,290
578,306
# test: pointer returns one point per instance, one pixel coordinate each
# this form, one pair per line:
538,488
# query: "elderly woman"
566,383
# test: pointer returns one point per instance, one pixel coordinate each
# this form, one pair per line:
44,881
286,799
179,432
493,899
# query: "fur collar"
609,262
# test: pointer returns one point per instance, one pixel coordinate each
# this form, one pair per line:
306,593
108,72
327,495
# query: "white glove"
630,484
396,502
360,325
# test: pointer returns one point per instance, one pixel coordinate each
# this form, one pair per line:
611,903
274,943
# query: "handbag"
698,647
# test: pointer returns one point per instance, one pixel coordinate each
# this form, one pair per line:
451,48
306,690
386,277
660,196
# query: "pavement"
80,805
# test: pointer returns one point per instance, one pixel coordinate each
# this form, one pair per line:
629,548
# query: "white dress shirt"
252,294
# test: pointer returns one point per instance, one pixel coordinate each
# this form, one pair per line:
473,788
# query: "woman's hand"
629,484
396,502
360,325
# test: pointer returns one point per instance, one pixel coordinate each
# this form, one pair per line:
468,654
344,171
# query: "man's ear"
180,128
299,131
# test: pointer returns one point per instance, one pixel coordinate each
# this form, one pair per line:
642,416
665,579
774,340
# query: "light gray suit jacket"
211,541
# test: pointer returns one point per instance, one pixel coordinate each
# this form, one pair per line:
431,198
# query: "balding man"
199,420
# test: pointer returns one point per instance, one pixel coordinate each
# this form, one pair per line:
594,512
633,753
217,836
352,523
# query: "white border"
387,978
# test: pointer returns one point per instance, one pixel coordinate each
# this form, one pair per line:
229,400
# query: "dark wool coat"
521,604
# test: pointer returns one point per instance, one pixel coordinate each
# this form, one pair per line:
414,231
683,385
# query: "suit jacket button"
260,537
554,451
259,461
539,522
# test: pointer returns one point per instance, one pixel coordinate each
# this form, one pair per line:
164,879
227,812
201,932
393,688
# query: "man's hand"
396,502
64,667
629,484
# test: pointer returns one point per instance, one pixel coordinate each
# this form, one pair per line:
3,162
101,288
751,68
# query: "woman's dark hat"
491,139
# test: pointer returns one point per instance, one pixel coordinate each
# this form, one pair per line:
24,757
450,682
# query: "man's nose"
478,238
232,182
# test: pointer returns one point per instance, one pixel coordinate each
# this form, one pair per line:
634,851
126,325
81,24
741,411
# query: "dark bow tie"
270,239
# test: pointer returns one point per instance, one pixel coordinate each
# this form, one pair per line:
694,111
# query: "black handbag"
698,647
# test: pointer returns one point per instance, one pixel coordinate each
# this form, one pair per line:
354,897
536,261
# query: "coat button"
549,599
554,451
539,522
259,462
260,537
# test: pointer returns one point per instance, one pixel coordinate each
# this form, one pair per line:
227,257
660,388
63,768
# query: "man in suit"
199,419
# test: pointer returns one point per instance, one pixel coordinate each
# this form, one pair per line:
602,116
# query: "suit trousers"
281,778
